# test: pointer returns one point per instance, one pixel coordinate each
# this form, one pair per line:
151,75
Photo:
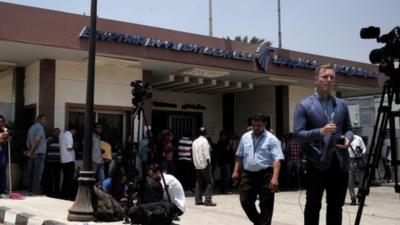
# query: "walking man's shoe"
210,203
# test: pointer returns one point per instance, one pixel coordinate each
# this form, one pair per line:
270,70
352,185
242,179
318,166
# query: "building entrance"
178,122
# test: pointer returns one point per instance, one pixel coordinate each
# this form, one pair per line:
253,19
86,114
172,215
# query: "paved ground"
382,207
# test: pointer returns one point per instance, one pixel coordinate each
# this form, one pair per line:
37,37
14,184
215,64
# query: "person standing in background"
185,162
67,154
357,149
106,149
52,166
202,163
4,138
37,146
97,156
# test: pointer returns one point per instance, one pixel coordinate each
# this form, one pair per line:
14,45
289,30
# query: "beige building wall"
32,82
112,86
259,100
6,94
6,87
295,95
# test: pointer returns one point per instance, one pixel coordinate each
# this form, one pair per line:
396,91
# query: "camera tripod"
386,116
138,112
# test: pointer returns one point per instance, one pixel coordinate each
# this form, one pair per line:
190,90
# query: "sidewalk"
382,207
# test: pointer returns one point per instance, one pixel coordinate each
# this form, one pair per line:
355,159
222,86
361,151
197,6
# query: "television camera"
388,54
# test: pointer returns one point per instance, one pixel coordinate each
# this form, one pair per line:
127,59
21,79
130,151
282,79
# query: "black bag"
360,161
106,207
158,213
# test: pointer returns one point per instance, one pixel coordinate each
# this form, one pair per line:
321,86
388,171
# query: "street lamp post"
279,25
82,209
210,25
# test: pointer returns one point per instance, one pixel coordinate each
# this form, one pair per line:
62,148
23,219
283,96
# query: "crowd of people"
323,144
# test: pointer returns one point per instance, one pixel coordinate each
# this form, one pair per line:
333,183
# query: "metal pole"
210,28
82,210
279,25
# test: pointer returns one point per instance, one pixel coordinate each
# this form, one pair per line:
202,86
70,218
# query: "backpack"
106,207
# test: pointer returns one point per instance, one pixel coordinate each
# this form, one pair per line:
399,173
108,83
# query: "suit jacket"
309,118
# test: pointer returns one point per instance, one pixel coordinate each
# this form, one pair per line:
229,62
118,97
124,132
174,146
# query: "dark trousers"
334,180
386,165
204,184
3,166
186,174
107,169
36,166
51,181
355,174
251,185
225,177
294,176
67,189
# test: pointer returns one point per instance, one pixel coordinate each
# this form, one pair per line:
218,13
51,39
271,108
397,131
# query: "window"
114,127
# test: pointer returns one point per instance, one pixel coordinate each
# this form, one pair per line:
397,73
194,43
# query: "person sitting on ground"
161,212
173,186
116,185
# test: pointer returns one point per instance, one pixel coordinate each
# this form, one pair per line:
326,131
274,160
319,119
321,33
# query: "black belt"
266,170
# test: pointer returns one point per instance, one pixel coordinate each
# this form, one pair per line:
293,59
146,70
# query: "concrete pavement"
382,207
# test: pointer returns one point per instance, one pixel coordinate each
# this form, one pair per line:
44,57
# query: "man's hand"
274,184
235,177
4,136
328,129
346,144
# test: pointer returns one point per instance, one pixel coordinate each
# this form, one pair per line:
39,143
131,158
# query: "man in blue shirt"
260,153
37,145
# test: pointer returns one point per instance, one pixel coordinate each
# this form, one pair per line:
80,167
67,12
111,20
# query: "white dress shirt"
175,191
357,142
67,142
201,152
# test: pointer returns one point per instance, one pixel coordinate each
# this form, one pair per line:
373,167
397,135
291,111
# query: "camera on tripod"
388,54
140,92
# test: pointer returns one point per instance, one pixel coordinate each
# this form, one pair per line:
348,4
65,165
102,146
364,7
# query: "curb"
12,217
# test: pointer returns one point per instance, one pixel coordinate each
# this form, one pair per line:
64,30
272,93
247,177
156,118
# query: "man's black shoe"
210,203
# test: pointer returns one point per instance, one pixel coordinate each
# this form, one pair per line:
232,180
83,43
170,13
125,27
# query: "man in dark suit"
322,124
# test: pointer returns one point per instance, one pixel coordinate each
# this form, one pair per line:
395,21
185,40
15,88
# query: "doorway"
176,121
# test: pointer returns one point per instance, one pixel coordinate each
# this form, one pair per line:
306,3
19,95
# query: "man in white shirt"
175,189
149,213
202,163
356,150
67,156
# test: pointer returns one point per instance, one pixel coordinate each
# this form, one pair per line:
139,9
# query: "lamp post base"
82,209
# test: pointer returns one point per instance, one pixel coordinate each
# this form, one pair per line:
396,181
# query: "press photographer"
160,212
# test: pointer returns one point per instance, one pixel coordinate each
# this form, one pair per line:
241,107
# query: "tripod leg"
374,154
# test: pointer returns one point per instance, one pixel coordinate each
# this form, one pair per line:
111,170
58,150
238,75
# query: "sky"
329,28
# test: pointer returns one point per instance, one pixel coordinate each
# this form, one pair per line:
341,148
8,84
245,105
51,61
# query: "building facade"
196,80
